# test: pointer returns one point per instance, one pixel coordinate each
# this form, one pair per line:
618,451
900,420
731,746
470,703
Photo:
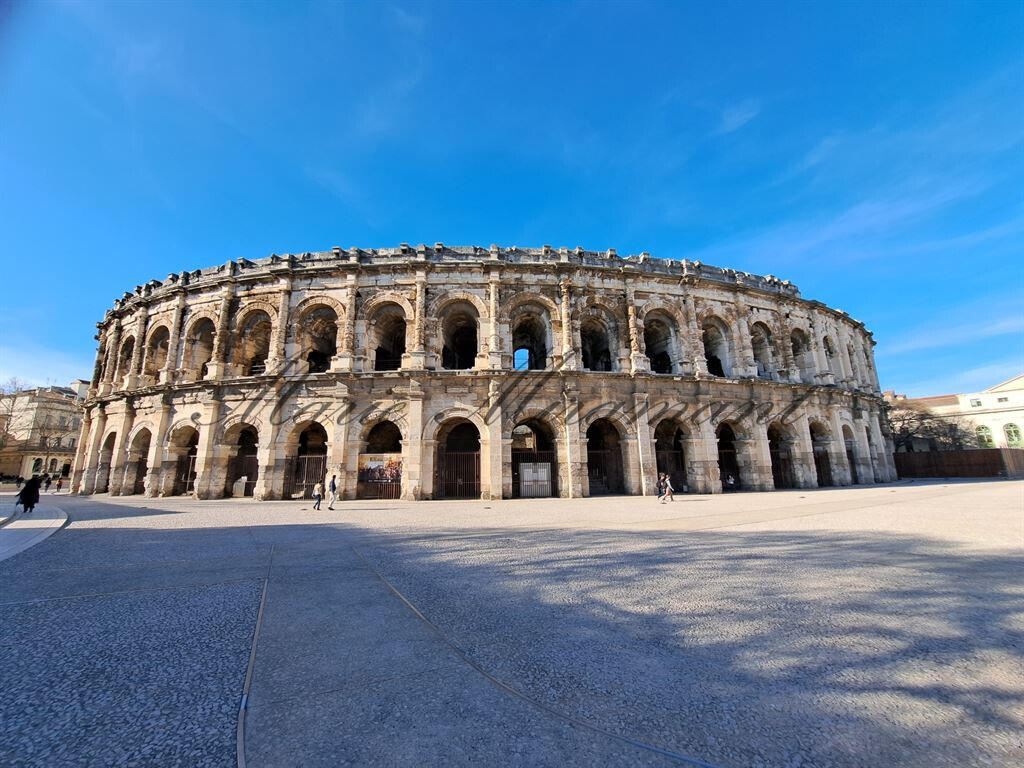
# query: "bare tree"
912,422
8,396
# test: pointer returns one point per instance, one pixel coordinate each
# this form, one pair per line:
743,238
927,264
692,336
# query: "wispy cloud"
738,115
41,366
944,334
969,380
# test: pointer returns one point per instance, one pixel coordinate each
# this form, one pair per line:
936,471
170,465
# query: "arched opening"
184,449
138,463
458,461
380,463
309,465
534,460
387,333
875,476
802,357
780,449
728,459
851,453
669,453
855,366
764,351
103,467
124,362
244,466
319,338
199,347
660,343
820,441
252,343
716,349
156,352
529,343
604,458
985,437
459,336
66,469
37,465
596,345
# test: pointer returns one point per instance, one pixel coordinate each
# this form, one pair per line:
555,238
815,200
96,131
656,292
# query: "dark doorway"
728,460
851,454
460,341
458,462
822,462
782,458
669,454
245,463
534,461
596,350
658,343
185,475
604,458
138,462
390,342
309,466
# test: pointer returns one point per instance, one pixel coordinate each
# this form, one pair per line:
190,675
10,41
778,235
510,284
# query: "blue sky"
872,154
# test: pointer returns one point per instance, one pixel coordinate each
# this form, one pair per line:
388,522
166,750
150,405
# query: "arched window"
529,343
716,348
1013,439
125,360
831,357
319,338
802,357
985,437
387,337
595,343
252,346
660,342
459,336
199,347
156,352
764,350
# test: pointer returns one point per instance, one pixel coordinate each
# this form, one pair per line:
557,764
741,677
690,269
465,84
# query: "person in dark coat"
29,495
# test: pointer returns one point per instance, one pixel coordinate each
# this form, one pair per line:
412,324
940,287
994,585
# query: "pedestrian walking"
60,483
29,495
19,482
332,492
318,495
660,485
46,483
667,490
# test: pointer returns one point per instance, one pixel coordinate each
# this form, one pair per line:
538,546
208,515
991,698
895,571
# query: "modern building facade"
461,372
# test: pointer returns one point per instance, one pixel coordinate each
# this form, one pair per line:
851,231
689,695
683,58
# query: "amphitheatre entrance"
458,461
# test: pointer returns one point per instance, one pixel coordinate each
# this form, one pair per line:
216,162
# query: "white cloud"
738,115
943,334
971,380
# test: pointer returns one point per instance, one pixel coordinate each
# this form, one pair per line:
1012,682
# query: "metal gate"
782,467
534,474
380,490
729,467
247,467
673,463
303,474
458,475
139,486
823,467
604,471
185,477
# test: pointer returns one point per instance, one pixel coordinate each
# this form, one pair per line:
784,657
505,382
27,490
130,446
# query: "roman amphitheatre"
434,372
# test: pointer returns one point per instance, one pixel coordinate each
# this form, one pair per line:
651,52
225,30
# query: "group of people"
46,481
28,490
332,492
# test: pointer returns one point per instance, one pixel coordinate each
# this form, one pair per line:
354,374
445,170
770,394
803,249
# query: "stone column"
491,468
696,342
574,458
417,359
101,354
119,458
791,371
218,363
824,375
644,445
343,451
638,361
760,459
155,460
208,485
174,341
412,446
139,351
745,365
113,348
702,457
82,452
570,357
278,363
346,357
841,474
270,477
93,457
494,345
805,473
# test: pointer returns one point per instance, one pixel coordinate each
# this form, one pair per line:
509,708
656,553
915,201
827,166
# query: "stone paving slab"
28,530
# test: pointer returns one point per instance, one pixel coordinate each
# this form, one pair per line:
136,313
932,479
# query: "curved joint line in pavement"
506,688
243,705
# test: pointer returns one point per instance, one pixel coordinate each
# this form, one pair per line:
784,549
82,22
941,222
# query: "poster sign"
380,467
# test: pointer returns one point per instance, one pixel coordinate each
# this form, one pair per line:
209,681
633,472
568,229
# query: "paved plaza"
870,626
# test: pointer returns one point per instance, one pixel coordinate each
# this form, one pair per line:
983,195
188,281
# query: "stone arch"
180,465
105,459
762,344
459,320
821,441
391,418
158,343
606,457
124,356
612,413
600,344
451,297
716,336
312,302
459,444
803,355
782,443
380,460
733,468
532,320
305,448
136,468
388,297
388,319
251,342
852,452
534,468
661,333
670,436
317,332
197,351
529,297
250,306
